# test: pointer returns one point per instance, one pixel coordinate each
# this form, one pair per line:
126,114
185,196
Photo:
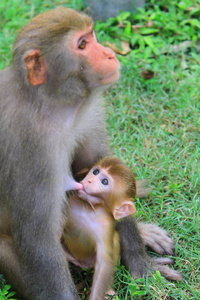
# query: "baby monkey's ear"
126,208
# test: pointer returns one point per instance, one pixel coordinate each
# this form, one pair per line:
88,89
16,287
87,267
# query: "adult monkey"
52,121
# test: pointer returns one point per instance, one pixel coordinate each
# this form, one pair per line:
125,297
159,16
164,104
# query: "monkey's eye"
104,181
82,45
96,171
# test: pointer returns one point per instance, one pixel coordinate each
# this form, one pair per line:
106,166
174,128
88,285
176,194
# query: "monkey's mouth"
82,194
111,78
90,198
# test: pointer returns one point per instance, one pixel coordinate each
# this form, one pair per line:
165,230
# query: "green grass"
154,126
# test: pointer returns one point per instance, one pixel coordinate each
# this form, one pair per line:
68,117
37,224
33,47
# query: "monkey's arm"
36,207
134,256
39,251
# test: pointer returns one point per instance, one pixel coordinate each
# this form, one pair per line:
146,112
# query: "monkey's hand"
156,238
160,264
134,256
159,241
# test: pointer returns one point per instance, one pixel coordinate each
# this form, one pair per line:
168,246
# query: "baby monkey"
108,192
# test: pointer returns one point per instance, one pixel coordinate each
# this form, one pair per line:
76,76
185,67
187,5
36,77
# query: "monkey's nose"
109,53
91,180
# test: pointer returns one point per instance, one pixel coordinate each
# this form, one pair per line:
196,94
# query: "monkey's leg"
134,256
10,267
116,250
104,265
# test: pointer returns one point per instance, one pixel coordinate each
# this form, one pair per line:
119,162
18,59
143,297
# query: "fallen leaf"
166,188
184,64
124,45
198,45
147,74
177,48
170,130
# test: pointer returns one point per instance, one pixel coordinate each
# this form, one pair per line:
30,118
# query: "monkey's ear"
36,67
125,209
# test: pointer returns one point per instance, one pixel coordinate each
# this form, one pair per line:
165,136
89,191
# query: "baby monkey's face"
97,184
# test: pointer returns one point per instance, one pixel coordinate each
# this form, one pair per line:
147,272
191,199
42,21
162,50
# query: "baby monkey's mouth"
92,199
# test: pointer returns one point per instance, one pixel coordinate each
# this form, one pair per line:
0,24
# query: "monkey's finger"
163,260
156,238
166,247
169,273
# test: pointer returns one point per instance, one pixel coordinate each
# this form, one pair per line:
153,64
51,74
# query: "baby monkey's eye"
96,171
104,181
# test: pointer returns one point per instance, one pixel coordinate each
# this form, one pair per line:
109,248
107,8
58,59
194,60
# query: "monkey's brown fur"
90,234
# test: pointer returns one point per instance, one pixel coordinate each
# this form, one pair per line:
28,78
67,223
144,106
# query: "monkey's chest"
80,244
79,232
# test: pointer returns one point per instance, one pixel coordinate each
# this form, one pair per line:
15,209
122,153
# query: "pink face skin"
96,185
101,59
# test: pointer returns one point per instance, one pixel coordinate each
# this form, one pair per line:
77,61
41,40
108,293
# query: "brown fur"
90,235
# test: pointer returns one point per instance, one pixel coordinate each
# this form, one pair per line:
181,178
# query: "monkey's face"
100,187
99,64
76,58
97,185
